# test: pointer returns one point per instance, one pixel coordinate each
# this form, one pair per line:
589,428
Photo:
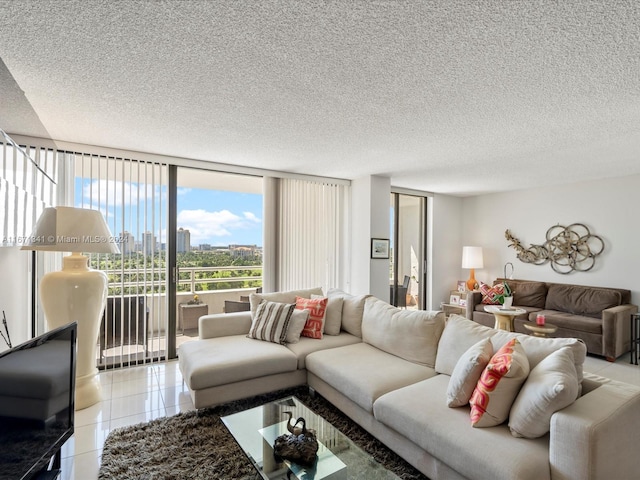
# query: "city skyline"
213,217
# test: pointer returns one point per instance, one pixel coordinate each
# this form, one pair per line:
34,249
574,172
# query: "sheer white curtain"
311,235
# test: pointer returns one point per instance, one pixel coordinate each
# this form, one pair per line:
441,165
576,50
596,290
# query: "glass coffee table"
338,457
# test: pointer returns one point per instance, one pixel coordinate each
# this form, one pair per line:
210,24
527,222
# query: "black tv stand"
53,470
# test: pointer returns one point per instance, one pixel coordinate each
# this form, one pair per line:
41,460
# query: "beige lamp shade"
69,229
472,259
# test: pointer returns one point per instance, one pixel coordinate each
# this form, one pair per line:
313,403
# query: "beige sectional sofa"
392,373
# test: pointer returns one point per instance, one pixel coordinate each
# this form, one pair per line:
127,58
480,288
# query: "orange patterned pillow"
488,293
499,385
317,309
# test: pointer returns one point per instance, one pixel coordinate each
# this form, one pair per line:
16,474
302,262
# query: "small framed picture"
463,302
454,299
379,248
462,286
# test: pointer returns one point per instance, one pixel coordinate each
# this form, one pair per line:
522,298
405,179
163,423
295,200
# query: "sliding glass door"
407,270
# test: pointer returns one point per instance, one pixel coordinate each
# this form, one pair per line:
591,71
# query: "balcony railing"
192,280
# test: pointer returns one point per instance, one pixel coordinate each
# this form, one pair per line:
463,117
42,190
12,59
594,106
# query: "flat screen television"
37,385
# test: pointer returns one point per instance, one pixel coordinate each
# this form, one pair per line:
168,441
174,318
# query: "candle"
540,319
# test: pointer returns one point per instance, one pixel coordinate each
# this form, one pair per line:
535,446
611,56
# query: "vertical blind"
312,238
132,195
27,185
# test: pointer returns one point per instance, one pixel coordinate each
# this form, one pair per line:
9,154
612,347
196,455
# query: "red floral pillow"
317,309
488,293
499,385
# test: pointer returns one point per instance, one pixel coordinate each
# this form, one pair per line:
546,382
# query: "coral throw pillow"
499,385
489,292
317,309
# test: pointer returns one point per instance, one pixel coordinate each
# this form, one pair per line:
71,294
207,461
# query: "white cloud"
205,226
117,193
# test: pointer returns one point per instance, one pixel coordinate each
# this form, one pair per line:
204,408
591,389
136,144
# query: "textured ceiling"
459,97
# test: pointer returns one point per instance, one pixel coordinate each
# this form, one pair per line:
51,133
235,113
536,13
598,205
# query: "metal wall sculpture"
568,249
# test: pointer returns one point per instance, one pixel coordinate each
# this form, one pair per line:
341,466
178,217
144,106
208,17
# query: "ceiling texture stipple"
463,97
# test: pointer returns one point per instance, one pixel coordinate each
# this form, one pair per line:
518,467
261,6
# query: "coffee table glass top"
338,457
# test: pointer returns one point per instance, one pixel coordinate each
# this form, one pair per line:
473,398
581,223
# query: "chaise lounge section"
392,374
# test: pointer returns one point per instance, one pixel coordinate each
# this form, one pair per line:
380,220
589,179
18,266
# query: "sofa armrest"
473,299
224,324
596,436
616,330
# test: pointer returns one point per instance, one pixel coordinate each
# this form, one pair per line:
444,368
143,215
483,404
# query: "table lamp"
76,293
472,258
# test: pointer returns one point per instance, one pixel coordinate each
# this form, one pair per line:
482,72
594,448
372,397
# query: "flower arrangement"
194,301
506,292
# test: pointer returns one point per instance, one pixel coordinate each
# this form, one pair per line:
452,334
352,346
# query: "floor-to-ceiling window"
219,251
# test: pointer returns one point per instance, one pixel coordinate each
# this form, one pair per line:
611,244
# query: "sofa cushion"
308,345
409,334
499,385
296,324
362,372
551,386
420,412
458,335
587,301
317,309
281,297
271,321
219,361
352,310
333,316
538,348
530,294
570,321
467,373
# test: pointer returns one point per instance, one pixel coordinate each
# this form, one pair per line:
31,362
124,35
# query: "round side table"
504,316
541,330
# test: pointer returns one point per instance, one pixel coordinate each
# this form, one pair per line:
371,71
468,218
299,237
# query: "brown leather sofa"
599,316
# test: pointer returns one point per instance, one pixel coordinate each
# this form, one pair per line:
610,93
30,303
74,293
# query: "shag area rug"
197,446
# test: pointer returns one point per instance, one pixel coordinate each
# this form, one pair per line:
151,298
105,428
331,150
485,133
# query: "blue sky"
220,217
214,217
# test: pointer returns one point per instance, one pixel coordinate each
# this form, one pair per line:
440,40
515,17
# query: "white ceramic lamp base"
78,294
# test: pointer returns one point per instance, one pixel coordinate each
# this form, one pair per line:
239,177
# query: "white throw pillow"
552,385
271,321
281,297
296,325
333,316
467,373
499,385
352,310
458,336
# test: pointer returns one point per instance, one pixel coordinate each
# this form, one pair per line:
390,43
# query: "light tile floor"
140,394
130,396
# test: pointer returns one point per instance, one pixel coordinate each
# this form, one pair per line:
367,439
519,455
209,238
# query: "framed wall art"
379,248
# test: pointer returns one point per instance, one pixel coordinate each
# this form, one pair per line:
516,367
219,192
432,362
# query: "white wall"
370,209
608,207
15,295
445,248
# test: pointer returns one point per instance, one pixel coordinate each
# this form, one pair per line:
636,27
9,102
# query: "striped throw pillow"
271,322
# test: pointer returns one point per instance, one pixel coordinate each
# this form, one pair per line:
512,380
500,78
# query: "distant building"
205,247
148,243
128,244
243,250
183,240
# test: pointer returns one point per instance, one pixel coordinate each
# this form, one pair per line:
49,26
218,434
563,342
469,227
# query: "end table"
189,315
